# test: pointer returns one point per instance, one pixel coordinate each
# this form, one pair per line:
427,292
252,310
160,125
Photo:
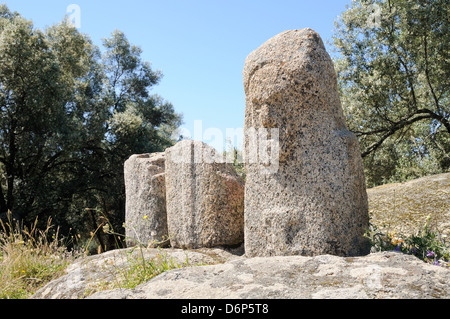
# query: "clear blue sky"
200,46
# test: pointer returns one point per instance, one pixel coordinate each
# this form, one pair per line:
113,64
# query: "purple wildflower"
430,253
436,262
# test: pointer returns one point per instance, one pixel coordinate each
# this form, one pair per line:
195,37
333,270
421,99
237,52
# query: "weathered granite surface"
381,275
205,197
146,216
231,275
94,273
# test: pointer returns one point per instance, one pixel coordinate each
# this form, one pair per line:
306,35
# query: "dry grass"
404,207
29,258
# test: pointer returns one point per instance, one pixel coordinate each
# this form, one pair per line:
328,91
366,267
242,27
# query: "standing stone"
205,198
316,202
145,216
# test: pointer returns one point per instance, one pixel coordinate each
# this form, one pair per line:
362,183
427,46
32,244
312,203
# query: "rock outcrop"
205,198
96,273
405,207
146,216
387,275
315,203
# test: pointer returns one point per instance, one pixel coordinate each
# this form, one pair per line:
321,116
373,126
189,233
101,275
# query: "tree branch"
437,117
391,131
427,72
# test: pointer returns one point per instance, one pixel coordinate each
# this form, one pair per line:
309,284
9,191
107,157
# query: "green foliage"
428,245
69,118
393,73
139,270
234,156
29,258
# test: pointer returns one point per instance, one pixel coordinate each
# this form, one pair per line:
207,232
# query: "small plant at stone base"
379,240
138,268
141,270
428,245
103,227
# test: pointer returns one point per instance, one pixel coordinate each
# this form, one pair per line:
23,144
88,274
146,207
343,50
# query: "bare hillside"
404,207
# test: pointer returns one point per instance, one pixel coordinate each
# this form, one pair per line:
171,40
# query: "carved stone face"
292,68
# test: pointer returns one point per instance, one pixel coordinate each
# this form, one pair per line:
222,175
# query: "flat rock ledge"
385,275
97,273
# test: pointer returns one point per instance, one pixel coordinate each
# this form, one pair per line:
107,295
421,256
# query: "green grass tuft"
29,258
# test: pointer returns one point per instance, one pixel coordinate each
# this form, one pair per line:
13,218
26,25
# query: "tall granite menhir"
316,202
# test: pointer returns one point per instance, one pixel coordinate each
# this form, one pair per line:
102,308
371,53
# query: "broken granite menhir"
205,198
146,216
